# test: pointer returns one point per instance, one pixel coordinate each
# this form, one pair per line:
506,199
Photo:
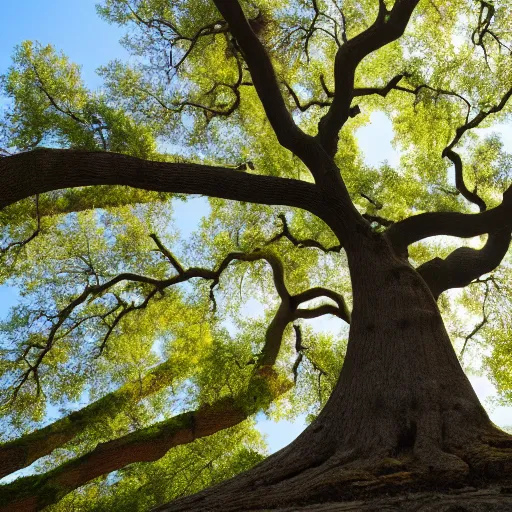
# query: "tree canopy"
133,365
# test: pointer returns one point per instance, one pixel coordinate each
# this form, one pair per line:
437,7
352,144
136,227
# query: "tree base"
476,478
467,499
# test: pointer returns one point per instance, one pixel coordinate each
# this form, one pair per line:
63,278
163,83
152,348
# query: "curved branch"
263,76
274,333
388,27
274,262
463,225
299,347
44,170
323,309
289,311
314,293
284,314
472,197
464,264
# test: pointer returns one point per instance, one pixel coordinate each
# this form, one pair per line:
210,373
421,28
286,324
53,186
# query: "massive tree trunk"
402,389
402,416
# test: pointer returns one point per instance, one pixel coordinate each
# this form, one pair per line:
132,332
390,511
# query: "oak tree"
140,337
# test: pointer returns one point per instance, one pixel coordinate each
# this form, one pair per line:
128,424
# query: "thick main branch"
463,225
39,171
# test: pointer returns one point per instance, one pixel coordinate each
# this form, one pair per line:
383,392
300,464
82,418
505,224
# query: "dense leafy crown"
116,303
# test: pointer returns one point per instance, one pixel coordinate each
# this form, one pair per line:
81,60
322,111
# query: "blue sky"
70,25
74,27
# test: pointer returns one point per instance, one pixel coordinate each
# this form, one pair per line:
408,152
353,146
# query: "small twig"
480,324
308,242
168,254
378,205
36,232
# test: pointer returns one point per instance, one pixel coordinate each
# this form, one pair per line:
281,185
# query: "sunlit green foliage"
170,103
52,106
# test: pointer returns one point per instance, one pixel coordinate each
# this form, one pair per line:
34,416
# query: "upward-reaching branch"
464,264
263,76
388,27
